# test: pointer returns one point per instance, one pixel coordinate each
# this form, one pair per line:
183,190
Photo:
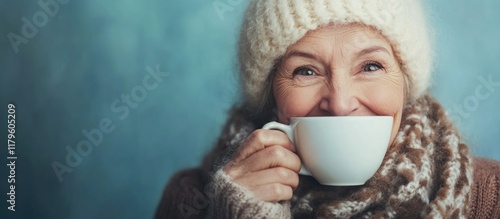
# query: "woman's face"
347,70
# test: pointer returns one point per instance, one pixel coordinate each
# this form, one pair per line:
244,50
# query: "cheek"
287,97
385,97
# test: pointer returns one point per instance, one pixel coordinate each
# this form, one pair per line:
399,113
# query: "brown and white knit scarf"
426,173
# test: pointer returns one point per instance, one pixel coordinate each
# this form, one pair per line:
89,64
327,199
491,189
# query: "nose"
339,101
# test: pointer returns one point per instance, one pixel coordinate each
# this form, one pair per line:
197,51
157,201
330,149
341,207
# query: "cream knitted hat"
271,26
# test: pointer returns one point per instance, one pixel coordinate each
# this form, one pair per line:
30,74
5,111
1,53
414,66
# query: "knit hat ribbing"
271,26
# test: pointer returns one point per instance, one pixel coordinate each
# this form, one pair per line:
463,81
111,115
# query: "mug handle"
289,132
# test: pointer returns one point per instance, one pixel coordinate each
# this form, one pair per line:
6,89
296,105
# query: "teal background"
66,78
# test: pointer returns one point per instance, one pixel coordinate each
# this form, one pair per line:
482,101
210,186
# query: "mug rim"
339,117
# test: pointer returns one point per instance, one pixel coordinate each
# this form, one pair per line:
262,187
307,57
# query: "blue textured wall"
76,71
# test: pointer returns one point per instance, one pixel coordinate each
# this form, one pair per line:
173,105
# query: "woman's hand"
266,164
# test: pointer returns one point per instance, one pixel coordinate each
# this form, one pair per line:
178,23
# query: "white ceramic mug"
339,150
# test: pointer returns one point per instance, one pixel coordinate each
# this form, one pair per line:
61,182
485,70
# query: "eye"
372,66
304,71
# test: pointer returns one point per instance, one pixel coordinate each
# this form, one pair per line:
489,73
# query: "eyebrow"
358,54
301,54
371,50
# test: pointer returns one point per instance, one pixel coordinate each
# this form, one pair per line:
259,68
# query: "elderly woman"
336,58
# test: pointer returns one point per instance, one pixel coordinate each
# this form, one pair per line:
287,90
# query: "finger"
270,157
269,176
272,192
260,139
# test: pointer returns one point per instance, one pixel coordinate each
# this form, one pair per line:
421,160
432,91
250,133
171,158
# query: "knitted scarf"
426,173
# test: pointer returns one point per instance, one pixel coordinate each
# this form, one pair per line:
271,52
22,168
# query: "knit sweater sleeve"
485,197
231,200
187,196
